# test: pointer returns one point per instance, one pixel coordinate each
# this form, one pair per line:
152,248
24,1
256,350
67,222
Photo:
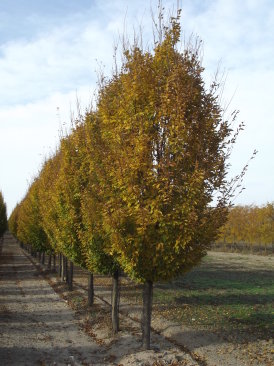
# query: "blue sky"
50,50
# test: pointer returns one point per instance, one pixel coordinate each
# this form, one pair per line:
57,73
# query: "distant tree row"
3,215
131,187
249,224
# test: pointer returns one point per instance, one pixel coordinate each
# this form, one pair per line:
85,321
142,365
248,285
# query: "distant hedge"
248,226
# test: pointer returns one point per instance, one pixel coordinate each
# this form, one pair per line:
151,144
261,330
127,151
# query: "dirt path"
36,326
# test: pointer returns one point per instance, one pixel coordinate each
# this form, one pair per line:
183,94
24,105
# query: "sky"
51,51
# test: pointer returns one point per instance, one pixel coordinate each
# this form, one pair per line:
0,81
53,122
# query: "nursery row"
249,227
131,187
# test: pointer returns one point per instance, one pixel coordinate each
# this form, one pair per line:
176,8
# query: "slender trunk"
90,289
60,265
39,256
66,270
54,262
147,309
49,262
43,258
115,302
63,275
70,276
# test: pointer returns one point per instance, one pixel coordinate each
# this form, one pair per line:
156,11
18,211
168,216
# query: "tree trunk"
43,258
49,262
63,275
147,309
54,262
90,289
66,270
39,256
70,276
60,265
115,302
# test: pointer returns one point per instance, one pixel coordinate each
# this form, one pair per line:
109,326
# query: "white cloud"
60,61
28,134
41,73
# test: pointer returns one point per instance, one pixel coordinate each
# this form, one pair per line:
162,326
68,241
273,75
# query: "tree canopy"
165,157
3,215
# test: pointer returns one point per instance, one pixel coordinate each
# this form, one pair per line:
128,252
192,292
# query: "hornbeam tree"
94,239
3,215
47,181
29,225
163,163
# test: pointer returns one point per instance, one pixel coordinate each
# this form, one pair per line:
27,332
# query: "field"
228,292
227,300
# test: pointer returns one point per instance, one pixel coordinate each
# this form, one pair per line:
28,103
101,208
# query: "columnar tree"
3,215
166,147
29,229
13,220
67,203
95,241
47,181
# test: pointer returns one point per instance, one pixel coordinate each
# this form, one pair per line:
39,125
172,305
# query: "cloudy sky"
50,51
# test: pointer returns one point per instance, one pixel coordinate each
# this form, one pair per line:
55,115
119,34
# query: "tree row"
3,215
249,224
132,187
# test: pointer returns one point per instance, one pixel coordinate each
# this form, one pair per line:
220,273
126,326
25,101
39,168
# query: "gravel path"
36,326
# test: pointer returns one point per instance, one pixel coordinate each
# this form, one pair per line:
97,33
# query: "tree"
95,240
267,227
28,226
3,215
47,181
166,147
249,224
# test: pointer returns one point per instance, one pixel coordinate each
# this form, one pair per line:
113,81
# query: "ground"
41,323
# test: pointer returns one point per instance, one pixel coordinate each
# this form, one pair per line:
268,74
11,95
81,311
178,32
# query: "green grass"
221,297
